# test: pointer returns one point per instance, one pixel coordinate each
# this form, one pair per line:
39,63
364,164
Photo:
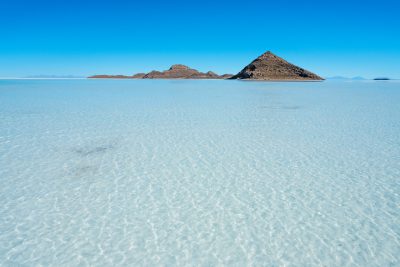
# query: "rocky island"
267,67
270,67
381,79
176,71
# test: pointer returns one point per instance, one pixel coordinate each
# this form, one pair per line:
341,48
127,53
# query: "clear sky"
348,38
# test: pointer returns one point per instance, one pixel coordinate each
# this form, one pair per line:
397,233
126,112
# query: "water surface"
199,173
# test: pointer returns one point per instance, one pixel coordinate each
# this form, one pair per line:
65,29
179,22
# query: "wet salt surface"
203,173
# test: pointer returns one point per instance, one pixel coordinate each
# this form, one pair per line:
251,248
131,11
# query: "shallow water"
199,173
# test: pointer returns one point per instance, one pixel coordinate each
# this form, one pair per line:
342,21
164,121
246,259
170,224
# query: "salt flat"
199,173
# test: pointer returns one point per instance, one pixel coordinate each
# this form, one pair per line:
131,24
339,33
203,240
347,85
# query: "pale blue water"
199,173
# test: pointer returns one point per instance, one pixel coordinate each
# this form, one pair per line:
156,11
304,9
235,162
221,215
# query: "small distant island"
267,67
381,79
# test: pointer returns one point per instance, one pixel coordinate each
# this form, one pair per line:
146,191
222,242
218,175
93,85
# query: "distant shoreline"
14,78
192,79
200,79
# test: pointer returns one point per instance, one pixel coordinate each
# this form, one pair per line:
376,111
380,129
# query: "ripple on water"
149,174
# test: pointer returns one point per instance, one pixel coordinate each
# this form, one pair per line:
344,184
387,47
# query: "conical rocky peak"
267,54
271,67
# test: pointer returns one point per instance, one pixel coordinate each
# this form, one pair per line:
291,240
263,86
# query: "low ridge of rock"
138,75
177,71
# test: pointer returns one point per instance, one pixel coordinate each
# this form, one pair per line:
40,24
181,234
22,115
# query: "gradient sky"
348,38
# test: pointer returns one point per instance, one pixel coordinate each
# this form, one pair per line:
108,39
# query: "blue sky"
348,38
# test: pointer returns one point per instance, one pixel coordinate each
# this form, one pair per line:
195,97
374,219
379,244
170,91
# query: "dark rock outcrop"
271,67
226,76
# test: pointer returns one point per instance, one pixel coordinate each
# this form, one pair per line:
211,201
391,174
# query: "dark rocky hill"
271,67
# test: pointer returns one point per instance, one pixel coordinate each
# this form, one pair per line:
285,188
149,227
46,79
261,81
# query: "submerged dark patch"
93,150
